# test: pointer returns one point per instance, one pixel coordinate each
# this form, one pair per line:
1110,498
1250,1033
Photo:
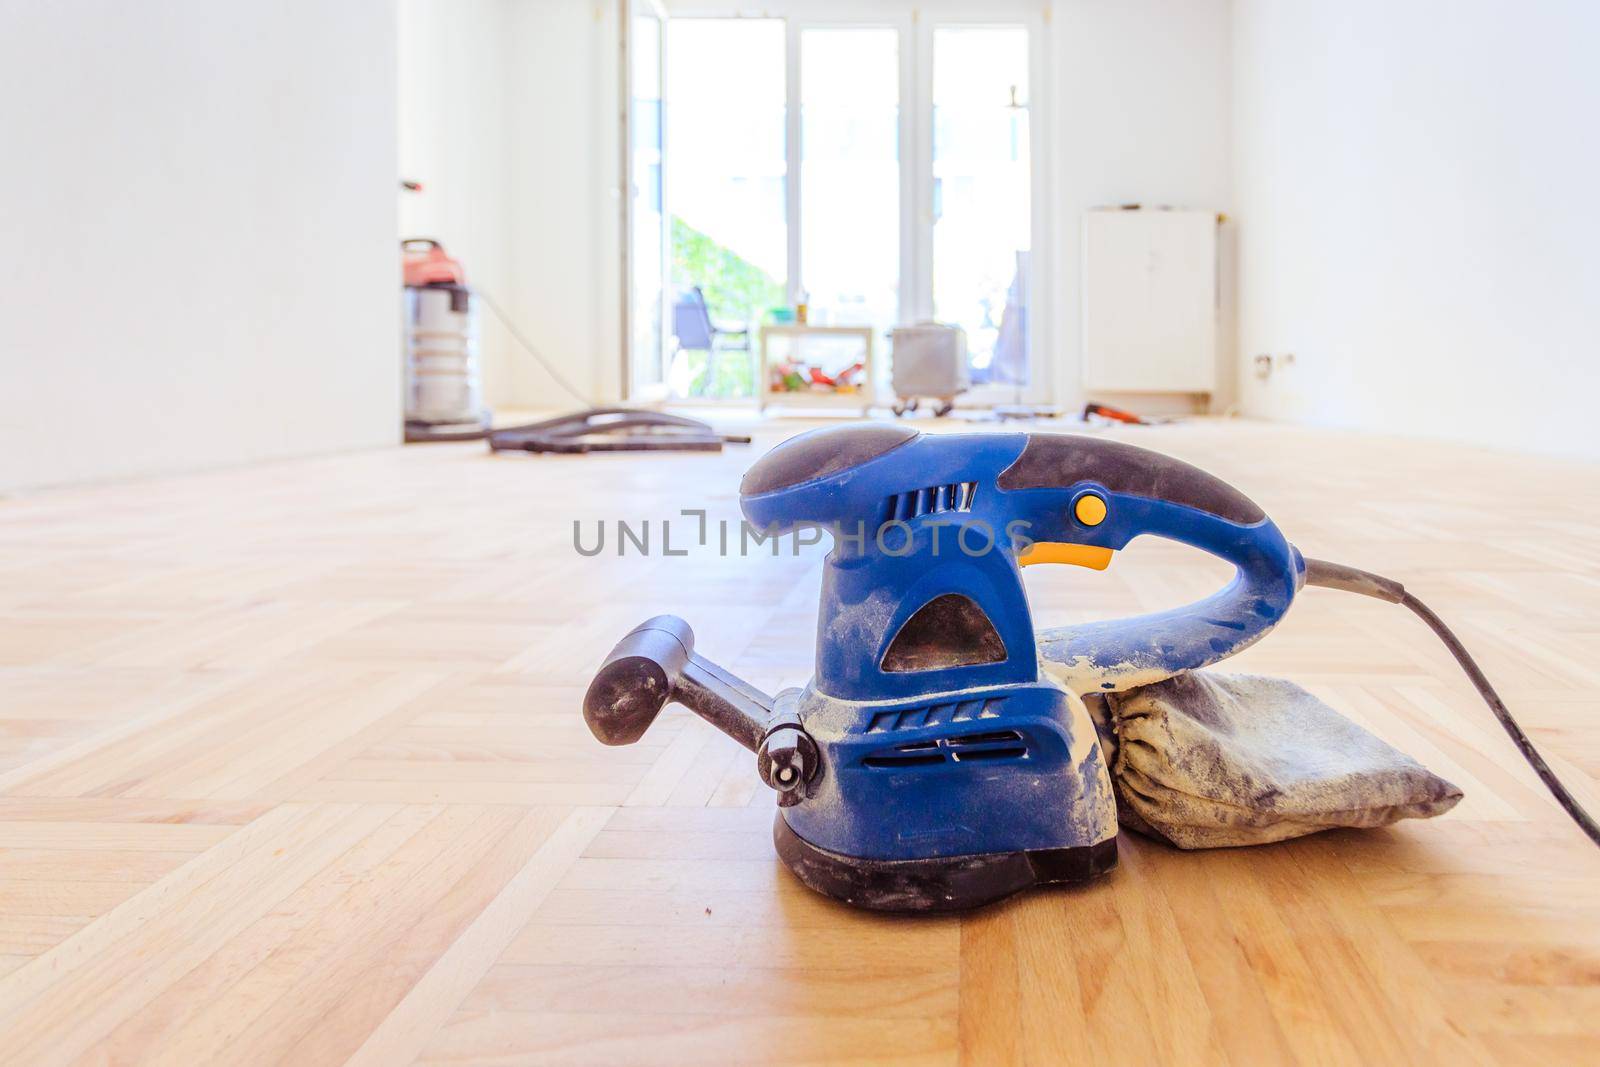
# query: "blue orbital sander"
944,755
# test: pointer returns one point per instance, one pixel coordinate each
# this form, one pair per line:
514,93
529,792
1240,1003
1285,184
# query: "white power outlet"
1266,363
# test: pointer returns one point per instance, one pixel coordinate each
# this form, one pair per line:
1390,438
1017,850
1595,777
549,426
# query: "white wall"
1142,115
1416,196
565,219
454,137
508,118
196,201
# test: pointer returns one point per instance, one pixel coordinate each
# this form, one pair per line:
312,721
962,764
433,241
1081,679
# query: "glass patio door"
848,252
981,210
850,174
880,164
727,174
645,233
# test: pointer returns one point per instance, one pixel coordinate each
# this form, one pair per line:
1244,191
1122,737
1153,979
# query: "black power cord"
527,346
1351,580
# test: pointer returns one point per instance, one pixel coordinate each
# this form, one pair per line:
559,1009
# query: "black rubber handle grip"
1053,461
637,679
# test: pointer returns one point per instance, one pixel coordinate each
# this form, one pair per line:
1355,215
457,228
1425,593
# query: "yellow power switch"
1090,509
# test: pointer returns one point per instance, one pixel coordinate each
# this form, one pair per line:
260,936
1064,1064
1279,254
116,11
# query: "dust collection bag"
1209,760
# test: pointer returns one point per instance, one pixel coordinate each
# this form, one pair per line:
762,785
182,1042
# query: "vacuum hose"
1351,580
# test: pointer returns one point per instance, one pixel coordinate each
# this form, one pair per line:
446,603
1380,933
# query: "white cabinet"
1150,301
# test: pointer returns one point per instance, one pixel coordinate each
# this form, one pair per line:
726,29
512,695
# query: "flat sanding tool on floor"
945,755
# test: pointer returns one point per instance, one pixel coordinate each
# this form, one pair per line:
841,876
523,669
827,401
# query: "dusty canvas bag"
1209,760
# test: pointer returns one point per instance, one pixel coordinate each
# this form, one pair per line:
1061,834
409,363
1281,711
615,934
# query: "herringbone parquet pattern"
291,770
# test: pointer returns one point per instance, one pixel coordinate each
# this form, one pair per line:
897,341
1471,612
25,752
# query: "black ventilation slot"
984,739
1002,744
895,759
913,754
990,753
935,715
967,748
930,500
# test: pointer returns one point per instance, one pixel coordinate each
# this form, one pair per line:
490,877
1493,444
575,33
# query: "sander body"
946,754
943,755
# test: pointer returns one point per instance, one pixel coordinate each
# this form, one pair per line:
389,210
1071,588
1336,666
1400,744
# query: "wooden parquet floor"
292,771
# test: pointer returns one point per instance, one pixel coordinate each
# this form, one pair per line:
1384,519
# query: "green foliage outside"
737,293
736,289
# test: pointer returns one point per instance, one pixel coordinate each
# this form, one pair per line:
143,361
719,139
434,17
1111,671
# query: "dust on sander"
1209,760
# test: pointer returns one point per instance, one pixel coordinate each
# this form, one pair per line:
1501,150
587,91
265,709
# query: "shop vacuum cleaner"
945,755
444,397
444,394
